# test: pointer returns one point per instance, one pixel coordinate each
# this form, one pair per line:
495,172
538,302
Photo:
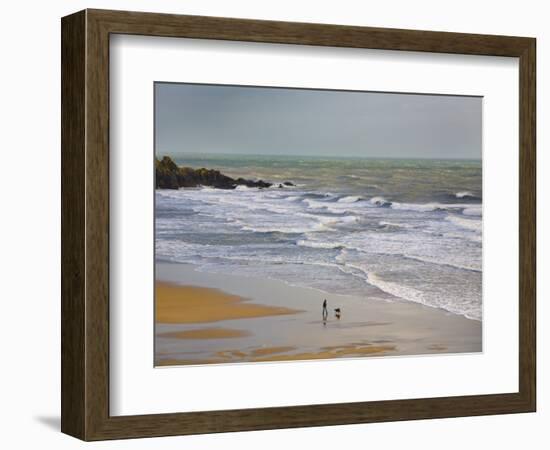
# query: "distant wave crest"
349,199
467,195
380,201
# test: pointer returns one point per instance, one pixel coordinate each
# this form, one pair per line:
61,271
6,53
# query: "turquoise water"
397,230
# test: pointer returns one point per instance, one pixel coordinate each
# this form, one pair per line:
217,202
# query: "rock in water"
169,176
166,174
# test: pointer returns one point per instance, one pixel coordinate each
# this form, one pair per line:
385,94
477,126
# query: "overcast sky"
191,118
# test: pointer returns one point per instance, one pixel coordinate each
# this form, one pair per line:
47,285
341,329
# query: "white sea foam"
315,204
338,220
429,247
318,244
349,199
472,210
395,289
380,201
277,229
431,286
385,223
470,224
431,206
461,305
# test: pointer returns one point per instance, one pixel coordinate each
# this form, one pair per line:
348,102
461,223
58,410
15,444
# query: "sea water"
388,229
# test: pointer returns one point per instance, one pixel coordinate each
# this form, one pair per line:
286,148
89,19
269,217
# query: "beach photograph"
314,224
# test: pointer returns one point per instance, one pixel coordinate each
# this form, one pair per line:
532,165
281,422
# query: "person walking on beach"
325,310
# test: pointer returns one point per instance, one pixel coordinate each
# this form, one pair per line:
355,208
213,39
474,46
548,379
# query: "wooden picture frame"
85,224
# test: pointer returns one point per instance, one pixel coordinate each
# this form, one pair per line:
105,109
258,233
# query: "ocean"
383,229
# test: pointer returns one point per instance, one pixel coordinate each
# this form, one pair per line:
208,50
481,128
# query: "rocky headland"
169,176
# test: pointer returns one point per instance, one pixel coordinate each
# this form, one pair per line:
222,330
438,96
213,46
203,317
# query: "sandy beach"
208,318
191,304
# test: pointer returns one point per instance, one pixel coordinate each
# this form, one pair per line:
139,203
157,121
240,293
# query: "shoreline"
285,323
388,297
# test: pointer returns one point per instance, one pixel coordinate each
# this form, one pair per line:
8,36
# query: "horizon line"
299,155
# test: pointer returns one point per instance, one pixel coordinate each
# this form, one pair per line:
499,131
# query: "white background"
30,238
138,388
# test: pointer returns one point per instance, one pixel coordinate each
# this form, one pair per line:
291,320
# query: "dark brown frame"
85,224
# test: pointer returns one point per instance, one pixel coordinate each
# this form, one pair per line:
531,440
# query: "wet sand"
207,318
191,304
206,333
285,354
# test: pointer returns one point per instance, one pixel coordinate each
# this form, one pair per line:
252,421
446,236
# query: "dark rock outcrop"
169,176
166,174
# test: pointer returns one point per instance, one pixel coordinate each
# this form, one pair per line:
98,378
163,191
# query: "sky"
195,118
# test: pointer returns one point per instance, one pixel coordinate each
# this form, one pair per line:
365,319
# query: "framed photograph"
273,225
